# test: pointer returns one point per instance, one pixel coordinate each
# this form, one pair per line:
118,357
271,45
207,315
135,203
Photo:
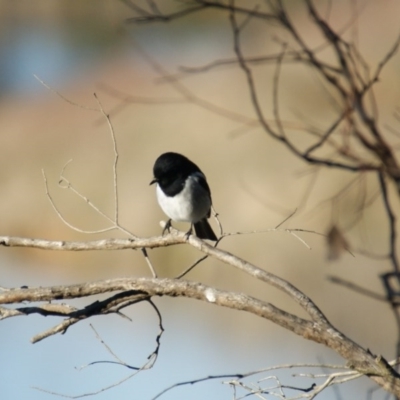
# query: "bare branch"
319,329
356,288
58,212
116,156
392,224
63,97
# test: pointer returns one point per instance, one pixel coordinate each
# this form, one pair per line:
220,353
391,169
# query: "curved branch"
358,358
173,239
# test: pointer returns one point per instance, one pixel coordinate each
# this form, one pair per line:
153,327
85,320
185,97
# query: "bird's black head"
171,170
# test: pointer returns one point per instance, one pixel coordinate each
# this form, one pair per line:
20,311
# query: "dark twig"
392,223
356,288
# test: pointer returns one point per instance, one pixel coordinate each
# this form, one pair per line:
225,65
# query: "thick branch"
358,358
180,238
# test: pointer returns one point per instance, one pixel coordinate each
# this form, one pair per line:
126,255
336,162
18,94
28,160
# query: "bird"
183,193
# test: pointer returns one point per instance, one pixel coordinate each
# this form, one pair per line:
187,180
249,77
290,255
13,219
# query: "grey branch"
130,291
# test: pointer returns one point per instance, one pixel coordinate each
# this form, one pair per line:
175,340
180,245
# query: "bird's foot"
189,232
167,227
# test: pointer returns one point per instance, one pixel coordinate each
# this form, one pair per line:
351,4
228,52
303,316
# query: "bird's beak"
153,181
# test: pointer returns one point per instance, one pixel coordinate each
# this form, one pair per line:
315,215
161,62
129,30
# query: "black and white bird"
183,193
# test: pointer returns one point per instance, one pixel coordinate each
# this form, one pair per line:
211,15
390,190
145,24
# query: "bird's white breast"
190,205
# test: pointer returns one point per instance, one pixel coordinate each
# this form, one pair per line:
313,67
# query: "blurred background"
81,48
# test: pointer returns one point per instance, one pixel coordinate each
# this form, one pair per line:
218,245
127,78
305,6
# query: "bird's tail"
204,231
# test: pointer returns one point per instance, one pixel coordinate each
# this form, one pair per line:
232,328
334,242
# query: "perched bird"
183,193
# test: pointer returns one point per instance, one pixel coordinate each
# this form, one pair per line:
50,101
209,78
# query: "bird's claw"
167,227
189,232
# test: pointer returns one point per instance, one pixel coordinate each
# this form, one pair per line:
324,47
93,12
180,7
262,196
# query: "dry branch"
129,291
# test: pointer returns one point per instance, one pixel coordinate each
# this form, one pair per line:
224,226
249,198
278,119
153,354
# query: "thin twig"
59,214
116,157
356,288
47,86
392,223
